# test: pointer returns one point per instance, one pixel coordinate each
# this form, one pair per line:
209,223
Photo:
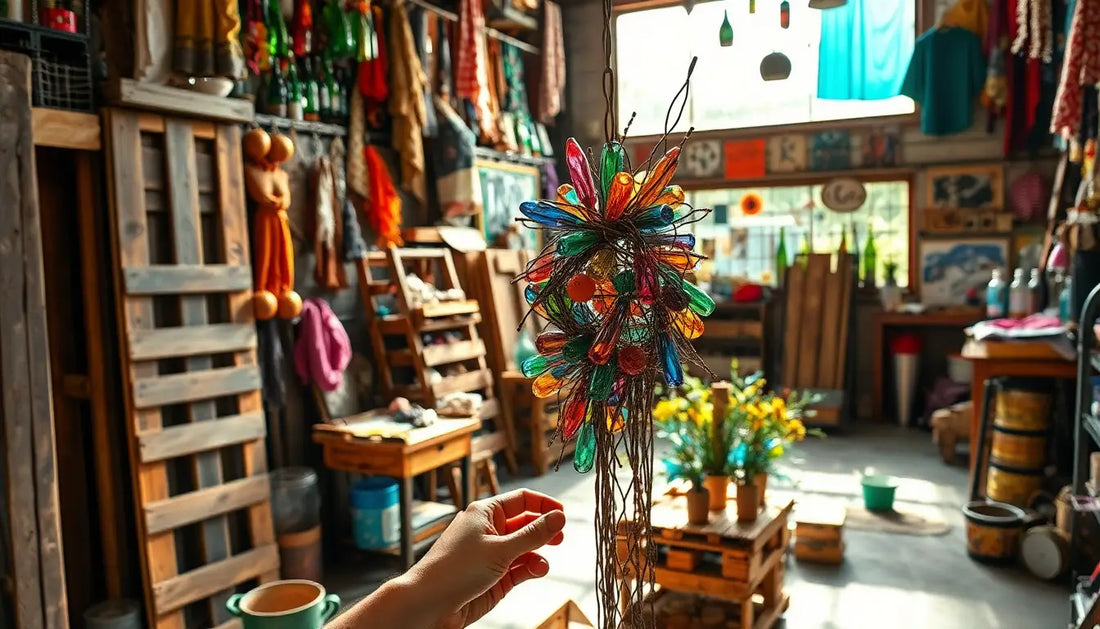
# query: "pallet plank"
185,439
792,322
830,325
809,342
469,381
203,504
189,387
207,580
186,278
435,355
191,340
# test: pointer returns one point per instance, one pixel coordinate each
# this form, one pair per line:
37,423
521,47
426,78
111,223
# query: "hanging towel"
1081,67
328,269
457,184
354,247
323,348
407,102
946,74
549,84
383,206
472,72
865,47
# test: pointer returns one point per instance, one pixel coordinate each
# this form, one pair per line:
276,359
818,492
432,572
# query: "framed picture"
787,153
879,148
951,268
831,150
503,187
965,187
702,160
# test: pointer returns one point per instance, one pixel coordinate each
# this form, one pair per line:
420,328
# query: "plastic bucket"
878,492
375,514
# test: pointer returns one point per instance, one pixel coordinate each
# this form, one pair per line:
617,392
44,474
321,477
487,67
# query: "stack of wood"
951,425
818,534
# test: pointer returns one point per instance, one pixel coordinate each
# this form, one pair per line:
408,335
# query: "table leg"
468,490
977,393
405,489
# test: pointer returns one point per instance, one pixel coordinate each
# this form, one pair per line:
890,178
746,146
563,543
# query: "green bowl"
878,492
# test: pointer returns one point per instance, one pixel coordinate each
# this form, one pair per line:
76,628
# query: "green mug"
290,604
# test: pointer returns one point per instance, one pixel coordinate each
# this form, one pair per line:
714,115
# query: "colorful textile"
865,45
383,206
323,349
471,71
406,104
1033,29
328,228
1081,67
550,83
372,79
973,15
207,39
946,74
457,184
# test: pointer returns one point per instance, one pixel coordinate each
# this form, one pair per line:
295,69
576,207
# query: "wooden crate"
191,382
669,609
819,522
818,551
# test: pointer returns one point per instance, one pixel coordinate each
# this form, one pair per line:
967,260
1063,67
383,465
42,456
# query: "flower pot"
748,502
716,486
761,482
697,501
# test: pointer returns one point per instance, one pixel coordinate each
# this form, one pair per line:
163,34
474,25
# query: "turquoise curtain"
865,49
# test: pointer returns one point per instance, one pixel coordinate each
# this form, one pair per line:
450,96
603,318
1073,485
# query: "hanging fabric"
373,75
271,358
1033,30
456,180
406,104
973,15
357,132
323,349
383,206
471,72
328,268
946,74
865,46
548,76
418,20
1080,68
503,135
349,239
207,39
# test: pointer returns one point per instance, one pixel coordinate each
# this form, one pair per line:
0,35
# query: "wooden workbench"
403,457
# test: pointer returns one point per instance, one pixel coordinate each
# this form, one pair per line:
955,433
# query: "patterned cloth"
1033,29
1081,67
551,83
471,66
407,82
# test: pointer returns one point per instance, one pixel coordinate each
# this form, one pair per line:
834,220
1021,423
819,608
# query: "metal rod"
491,32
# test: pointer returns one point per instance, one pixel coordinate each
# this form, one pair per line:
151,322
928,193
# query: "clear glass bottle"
1034,291
1018,298
995,296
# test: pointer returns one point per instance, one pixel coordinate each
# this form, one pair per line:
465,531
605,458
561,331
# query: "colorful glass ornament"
581,288
611,164
785,14
580,173
550,342
616,419
670,361
688,323
698,301
603,376
576,348
574,412
537,365
584,456
576,243
603,347
632,360
725,32
547,384
602,265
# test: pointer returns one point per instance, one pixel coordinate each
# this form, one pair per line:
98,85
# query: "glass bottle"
805,250
294,105
303,28
335,90
781,257
1018,297
277,38
870,266
275,95
310,92
725,32
843,248
995,296
1063,302
785,14
1033,291
890,294
324,102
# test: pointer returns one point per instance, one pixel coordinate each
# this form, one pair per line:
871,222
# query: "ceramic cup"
291,604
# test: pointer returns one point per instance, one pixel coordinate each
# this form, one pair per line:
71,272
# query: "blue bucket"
375,514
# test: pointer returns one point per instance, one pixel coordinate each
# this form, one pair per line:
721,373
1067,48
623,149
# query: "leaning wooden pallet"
188,350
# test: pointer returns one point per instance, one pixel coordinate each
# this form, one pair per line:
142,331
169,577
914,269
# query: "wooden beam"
162,98
202,582
191,340
190,438
185,279
193,386
66,129
171,513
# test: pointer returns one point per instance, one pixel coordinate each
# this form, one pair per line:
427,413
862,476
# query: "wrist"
414,593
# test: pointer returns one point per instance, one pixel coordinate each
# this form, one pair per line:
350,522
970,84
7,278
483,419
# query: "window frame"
925,13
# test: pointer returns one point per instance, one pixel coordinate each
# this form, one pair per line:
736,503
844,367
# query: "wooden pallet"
190,377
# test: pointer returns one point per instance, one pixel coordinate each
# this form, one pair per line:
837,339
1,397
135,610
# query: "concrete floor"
886,580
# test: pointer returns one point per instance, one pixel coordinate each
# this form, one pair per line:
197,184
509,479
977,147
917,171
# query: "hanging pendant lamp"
785,14
725,32
827,4
775,67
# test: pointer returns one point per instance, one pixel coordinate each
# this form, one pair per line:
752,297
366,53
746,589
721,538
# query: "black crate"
62,75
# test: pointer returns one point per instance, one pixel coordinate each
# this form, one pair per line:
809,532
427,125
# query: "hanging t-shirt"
865,45
946,74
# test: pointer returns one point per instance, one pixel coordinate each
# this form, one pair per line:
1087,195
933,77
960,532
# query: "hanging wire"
610,126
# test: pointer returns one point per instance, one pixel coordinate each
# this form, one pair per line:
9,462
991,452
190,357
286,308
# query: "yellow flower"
776,451
796,430
666,410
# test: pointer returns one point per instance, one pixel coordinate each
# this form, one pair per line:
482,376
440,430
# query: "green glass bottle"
324,101
699,302
310,92
781,261
843,248
332,87
725,32
278,41
869,262
295,107
804,252
275,94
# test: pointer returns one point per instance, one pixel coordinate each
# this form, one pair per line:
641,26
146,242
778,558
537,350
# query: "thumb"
534,535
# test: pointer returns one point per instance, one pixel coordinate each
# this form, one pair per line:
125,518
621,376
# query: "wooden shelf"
177,101
65,129
305,126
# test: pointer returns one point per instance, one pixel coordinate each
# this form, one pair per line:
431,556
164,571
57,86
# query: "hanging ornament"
752,6
725,33
775,67
785,14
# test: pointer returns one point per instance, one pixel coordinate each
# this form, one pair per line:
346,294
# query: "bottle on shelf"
275,93
1063,301
843,248
869,262
995,296
1018,297
324,100
278,41
295,108
725,32
1034,292
781,261
310,92
335,93
890,293
805,250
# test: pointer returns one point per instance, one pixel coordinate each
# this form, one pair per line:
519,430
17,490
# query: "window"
746,245
655,47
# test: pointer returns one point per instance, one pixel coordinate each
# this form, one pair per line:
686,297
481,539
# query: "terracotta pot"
716,486
761,482
697,500
748,502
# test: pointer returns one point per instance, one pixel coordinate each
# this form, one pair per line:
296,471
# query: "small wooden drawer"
816,551
438,455
681,559
349,456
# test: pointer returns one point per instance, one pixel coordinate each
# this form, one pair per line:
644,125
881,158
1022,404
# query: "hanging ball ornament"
632,360
775,67
581,288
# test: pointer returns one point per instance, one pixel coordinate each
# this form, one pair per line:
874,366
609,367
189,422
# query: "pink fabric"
323,349
1030,322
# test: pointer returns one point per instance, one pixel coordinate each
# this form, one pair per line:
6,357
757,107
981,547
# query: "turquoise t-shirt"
946,74
864,48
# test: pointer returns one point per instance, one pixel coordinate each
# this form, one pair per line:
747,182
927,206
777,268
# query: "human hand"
486,551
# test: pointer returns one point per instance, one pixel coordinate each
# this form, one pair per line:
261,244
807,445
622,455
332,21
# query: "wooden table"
420,450
886,320
993,359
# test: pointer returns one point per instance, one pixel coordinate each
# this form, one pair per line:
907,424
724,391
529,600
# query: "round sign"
843,195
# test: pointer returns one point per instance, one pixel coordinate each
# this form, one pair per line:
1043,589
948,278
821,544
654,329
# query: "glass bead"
619,194
581,288
688,323
584,456
671,195
531,293
580,173
624,282
566,194
611,163
577,242
540,268
574,412
603,376
576,348
548,214
678,259
550,342
602,264
698,301
537,365
654,217
657,179
670,361
546,385
632,360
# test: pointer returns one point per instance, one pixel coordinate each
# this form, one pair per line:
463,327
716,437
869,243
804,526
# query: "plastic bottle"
1018,297
1033,291
995,296
1063,302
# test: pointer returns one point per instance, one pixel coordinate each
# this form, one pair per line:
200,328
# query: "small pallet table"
420,450
724,559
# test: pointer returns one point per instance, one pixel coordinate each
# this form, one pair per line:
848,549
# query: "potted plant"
689,411
687,434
